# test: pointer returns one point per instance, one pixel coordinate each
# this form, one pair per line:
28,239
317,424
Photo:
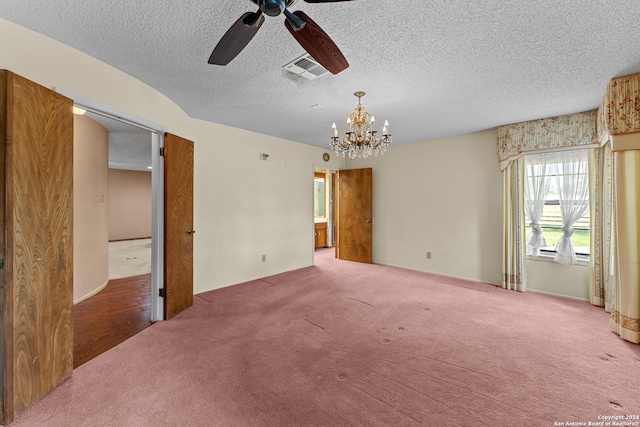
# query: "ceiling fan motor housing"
273,7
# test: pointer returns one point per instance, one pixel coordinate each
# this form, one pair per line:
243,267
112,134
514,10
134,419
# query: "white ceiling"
432,68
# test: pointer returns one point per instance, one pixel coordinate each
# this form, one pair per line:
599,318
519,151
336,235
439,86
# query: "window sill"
583,262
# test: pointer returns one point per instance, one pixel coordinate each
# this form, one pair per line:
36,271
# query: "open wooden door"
36,253
178,229
354,211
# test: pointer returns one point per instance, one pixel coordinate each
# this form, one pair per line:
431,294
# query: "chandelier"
361,138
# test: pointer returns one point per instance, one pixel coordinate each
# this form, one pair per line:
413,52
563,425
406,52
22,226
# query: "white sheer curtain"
539,174
572,183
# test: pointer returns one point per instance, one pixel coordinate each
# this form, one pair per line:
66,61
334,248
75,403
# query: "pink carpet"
348,344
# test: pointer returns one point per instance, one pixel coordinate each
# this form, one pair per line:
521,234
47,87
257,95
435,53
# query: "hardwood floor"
119,311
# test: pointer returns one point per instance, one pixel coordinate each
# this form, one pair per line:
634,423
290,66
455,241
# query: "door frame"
331,219
157,190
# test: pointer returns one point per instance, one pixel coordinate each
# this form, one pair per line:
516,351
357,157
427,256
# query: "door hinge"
161,292
162,151
1,263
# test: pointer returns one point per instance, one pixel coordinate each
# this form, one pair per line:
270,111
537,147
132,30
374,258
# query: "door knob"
368,221
190,231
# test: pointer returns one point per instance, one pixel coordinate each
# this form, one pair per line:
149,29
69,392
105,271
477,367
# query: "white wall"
441,196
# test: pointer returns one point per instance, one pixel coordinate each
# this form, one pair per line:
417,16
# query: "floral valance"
620,108
568,131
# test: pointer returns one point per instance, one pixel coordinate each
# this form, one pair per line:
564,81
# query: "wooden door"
5,294
37,279
354,215
178,229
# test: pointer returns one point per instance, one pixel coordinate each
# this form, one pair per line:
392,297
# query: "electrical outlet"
428,255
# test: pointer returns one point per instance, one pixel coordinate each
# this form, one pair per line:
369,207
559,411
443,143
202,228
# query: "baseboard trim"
558,295
132,238
439,274
92,293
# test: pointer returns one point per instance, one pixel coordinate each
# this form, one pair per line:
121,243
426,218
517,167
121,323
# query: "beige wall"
552,278
444,196
243,207
129,204
91,250
440,196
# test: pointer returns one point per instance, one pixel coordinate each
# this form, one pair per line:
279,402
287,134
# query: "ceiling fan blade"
318,44
236,38
323,1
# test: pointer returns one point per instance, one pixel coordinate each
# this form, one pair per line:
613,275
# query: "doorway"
122,219
323,208
130,198
348,213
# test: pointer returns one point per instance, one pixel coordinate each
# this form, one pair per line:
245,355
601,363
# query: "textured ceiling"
432,68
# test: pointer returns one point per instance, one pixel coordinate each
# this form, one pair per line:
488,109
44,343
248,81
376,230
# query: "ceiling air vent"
307,67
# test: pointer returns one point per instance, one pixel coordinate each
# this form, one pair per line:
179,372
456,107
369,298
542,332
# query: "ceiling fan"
310,36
